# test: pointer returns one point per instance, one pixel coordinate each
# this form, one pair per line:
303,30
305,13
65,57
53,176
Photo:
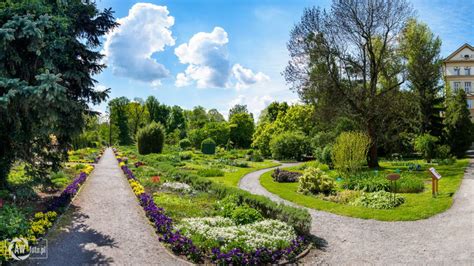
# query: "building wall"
462,60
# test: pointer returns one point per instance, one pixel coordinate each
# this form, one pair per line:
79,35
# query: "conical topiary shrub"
150,138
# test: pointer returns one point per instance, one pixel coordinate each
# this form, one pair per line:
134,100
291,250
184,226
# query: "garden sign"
435,177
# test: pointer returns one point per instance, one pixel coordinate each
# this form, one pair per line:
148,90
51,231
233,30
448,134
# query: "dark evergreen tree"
49,52
458,131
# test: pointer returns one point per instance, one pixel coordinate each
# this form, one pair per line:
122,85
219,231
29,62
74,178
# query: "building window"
467,71
469,104
457,71
467,86
456,86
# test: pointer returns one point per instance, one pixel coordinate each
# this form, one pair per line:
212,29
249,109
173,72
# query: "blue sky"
218,53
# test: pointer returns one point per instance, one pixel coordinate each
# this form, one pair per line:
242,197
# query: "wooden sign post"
393,183
435,177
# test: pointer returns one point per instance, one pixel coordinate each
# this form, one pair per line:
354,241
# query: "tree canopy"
49,54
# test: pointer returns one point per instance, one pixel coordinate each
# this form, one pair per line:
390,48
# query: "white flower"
267,233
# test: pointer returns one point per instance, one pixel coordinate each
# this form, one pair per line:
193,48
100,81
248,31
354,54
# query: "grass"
185,206
197,163
417,205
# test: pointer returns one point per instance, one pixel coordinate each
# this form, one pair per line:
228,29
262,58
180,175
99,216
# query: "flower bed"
181,244
42,221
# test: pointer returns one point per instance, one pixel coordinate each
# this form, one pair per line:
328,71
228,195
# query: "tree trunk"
4,170
372,158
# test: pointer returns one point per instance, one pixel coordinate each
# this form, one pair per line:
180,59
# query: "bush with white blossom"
177,187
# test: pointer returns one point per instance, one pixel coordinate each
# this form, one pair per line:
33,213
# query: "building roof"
466,45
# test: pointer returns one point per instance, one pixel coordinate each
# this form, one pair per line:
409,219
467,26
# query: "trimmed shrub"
150,138
284,176
208,146
185,144
290,146
378,200
209,172
315,181
246,215
349,153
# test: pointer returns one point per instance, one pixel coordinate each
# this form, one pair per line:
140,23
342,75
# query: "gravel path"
106,225
446,238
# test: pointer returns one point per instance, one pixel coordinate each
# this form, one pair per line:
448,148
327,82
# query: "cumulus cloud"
245,77
207,56
145,31
255,103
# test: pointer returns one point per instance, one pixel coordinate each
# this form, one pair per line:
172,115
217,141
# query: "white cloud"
245,77
255,103
145,31
207,56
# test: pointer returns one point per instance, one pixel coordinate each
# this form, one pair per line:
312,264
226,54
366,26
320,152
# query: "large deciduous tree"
48,54
348,56
119,116
421,50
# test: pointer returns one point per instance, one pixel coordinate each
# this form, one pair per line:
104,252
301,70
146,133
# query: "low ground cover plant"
209,172
224,234
379,200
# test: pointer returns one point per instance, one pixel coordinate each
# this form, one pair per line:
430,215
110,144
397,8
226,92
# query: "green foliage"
246,215
185,144
290,146
119,118
226,206
13,222
443,152
208,146
241,130
379,200
298,218
255,156
49,54
157,112
294,118
374,181
366,181
349,152
458,131
210,172
421,49
426,145
342,197
315,181
186,155
324,155
218,131
179,206
150,139
59,179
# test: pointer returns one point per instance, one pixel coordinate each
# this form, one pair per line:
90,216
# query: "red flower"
155,179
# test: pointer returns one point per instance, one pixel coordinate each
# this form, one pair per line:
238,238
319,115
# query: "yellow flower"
121,164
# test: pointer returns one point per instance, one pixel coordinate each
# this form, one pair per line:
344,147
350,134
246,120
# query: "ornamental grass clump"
150,138
349,152
314,181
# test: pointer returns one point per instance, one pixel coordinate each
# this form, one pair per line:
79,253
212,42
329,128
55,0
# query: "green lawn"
417,205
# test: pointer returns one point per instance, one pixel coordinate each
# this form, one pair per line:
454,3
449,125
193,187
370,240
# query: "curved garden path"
105,225
446,238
